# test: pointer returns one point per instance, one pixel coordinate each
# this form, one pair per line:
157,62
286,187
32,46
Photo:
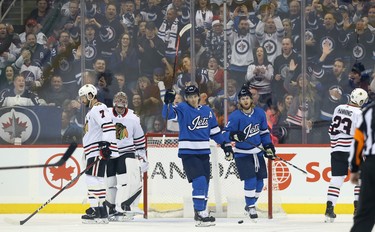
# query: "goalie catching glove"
228,151
270,151
237,136
143,163
169,96
105,151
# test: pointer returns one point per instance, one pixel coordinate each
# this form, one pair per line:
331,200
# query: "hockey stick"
278,157
58,193
183,30
63,159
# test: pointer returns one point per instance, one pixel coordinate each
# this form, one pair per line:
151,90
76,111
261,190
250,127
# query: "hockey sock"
200,188
258,189
96,190
356,192
250,185
111,189
334,188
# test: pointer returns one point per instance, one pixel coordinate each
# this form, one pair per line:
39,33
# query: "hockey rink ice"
72,223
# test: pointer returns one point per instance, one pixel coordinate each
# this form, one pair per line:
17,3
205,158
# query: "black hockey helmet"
245,92
190,90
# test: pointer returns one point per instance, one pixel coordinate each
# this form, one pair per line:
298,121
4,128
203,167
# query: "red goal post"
167,192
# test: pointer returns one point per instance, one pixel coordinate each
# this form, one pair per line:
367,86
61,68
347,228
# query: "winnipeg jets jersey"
129,133
254,125
99,127
197,126
342,127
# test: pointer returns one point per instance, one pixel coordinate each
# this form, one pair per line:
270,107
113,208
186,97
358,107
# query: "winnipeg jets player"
99,142
197,124
248,127
124,174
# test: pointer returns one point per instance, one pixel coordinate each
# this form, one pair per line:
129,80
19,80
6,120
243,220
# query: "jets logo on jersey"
270,47
242,47
251,130
198,123
121,131
359,52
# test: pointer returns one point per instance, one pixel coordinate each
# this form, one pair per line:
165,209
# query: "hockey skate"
251,211
97,215
330,215
203,219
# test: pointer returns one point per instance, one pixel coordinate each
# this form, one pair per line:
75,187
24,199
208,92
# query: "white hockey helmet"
86,89
120,100
358,96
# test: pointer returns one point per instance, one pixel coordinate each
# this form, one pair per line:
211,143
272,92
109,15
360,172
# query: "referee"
362,158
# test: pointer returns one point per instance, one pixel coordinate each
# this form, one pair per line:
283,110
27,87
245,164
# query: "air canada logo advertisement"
18,122
59,176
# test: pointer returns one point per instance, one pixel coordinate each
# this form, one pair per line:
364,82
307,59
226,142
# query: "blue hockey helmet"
244,92
190,90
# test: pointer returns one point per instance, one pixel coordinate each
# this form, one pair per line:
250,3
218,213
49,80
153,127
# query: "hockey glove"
270,151
169,96
143,163
237,136
105,151
228,151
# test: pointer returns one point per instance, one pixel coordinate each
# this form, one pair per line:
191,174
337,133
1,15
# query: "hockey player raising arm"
197,124
249,123
99,142
124,173
362,165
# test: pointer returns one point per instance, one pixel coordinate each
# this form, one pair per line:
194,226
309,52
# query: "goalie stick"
63,159
60,191
278,157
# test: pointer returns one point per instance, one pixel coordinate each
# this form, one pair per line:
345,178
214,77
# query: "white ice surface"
72,223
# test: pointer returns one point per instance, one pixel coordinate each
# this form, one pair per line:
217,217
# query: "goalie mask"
358,96
120,102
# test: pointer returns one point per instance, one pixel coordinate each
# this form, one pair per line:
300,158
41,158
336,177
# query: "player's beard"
248,107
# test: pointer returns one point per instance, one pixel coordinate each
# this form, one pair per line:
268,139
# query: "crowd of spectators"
130,46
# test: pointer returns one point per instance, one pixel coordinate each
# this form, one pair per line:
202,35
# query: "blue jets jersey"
197,126
255,127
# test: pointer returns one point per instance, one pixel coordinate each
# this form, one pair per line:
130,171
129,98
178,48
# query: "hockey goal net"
167,192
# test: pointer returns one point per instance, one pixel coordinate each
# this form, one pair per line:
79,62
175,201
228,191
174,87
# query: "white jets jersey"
99,127
342,127
129,133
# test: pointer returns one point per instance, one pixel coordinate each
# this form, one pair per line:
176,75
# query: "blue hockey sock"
200,190
250,185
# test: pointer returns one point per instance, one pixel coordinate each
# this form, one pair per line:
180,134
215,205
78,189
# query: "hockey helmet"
358,96
191,90
120,100
244,92
86,89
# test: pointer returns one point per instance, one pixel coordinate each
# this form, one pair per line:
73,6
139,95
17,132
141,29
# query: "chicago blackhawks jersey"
129,133
99,127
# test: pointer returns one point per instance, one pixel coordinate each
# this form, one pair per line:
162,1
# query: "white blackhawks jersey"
342,127
99,127
129,133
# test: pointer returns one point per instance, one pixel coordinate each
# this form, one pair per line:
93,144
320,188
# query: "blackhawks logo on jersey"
121,131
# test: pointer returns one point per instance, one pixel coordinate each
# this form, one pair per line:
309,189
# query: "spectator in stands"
19,95
151,50
305,105
159,81
153,12
215,42
269,33
357,77
137,107
259,75
168,33
182,10
67,22
371,19
40,12
215,76
110,29
201,53
32,72
203,16
281,68
40,55
128,17
104,86
152,104
242,40
55,94
32,26
7,77
8,51
70,131
158,125
125,60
